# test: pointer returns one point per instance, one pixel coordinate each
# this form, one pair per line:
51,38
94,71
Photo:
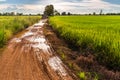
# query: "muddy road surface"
30,57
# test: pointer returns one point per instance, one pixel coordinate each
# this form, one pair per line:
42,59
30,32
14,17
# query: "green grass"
81,75
10,25
100,34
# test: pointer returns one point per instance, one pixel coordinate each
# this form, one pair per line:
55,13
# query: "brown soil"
79,61
30,57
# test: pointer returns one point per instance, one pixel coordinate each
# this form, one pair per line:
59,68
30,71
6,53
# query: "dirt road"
30,57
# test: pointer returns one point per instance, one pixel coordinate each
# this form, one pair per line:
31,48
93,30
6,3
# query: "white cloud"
82,6
87,6
3,6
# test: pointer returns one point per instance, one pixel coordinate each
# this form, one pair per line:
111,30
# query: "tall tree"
12,13
101,11
49,10
94,13
69,13
63,13
0,14
56,12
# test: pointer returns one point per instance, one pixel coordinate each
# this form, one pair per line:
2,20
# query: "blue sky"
113,1
73,6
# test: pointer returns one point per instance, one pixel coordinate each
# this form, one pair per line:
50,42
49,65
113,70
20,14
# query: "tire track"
30,57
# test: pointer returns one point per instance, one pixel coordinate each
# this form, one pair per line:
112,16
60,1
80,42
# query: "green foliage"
63,56
10,25
96,77
49,10
81,75
92,76
101,34
70,65
2,37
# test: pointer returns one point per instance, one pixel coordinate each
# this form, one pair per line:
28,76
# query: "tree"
94,13
89,14
6,14
69,13
30,14
38,14
56,12
19,14
0,14
63,13
101,11
12,13
49,10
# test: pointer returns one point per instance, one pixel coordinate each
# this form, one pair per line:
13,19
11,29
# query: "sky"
73,6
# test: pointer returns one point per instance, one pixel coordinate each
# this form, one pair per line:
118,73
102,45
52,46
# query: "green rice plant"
2,41
97,33
81,75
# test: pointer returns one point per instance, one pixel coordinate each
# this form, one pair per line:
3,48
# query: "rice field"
98,34
10,25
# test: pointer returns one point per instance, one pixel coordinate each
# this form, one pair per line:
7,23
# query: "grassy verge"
10,25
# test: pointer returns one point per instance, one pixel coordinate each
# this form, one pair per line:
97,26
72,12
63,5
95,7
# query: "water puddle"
35,38
56,64
27,34
17,40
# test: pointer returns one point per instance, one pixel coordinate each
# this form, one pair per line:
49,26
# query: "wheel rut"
30,57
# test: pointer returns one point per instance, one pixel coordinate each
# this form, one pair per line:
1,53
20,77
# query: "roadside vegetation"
10,25
97,35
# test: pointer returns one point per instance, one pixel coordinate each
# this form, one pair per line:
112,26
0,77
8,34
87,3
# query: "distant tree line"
10,14
101,14
94,13
50,11
55,13
16,14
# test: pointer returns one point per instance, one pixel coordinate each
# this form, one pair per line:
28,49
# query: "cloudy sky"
73,6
